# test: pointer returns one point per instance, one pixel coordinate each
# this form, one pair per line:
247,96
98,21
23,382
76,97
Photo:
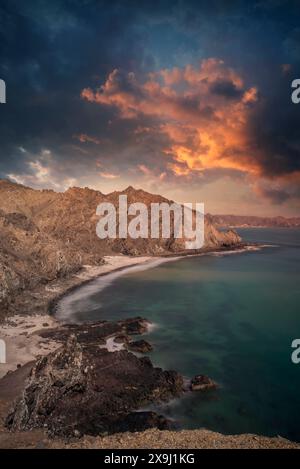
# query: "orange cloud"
204,112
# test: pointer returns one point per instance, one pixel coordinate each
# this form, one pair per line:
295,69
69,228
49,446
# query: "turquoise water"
232,317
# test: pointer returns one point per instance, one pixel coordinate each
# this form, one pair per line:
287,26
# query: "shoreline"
52,304
29,326
144,260
21,331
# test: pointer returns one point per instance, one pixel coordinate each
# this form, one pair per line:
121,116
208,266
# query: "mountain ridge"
45,235
240,221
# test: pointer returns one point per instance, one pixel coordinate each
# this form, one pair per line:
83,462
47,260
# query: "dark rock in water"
96,333
202,383
135,326
141,346
83,389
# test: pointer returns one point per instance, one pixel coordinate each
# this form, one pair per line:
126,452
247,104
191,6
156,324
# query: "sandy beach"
21,332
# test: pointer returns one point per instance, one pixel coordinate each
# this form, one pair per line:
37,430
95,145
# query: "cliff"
46,235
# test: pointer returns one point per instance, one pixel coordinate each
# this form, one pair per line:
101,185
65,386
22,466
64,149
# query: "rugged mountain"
245,221
45,234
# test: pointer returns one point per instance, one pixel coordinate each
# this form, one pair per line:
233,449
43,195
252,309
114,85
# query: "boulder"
140,346
202,383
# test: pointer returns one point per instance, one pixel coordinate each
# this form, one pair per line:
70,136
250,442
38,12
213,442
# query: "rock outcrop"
84,389
140,346
96,333
202,383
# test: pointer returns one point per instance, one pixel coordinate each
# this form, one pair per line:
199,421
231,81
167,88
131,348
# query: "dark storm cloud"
51,51
274,128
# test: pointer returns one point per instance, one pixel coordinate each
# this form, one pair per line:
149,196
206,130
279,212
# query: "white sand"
20,333
111,263
112,346
23,344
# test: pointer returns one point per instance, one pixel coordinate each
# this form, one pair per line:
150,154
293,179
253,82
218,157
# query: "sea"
232,316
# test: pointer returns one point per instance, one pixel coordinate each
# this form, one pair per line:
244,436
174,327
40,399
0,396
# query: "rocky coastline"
47,238
79,388
84,388
70,370
62,381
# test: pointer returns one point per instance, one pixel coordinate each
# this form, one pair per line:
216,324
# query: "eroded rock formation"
84,389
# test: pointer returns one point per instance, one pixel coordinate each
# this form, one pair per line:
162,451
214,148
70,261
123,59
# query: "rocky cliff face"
45,235
29,257
83,389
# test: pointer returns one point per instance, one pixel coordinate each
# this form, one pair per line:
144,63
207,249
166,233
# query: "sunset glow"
174,100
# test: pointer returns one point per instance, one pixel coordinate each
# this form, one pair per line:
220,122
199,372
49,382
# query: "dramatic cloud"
121,93
211,121
204,112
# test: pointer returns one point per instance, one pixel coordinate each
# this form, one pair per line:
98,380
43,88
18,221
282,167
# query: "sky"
189,99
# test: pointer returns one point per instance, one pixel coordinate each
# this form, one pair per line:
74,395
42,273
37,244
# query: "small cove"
232,317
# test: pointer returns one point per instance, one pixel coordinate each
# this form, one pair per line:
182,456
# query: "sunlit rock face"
47,235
